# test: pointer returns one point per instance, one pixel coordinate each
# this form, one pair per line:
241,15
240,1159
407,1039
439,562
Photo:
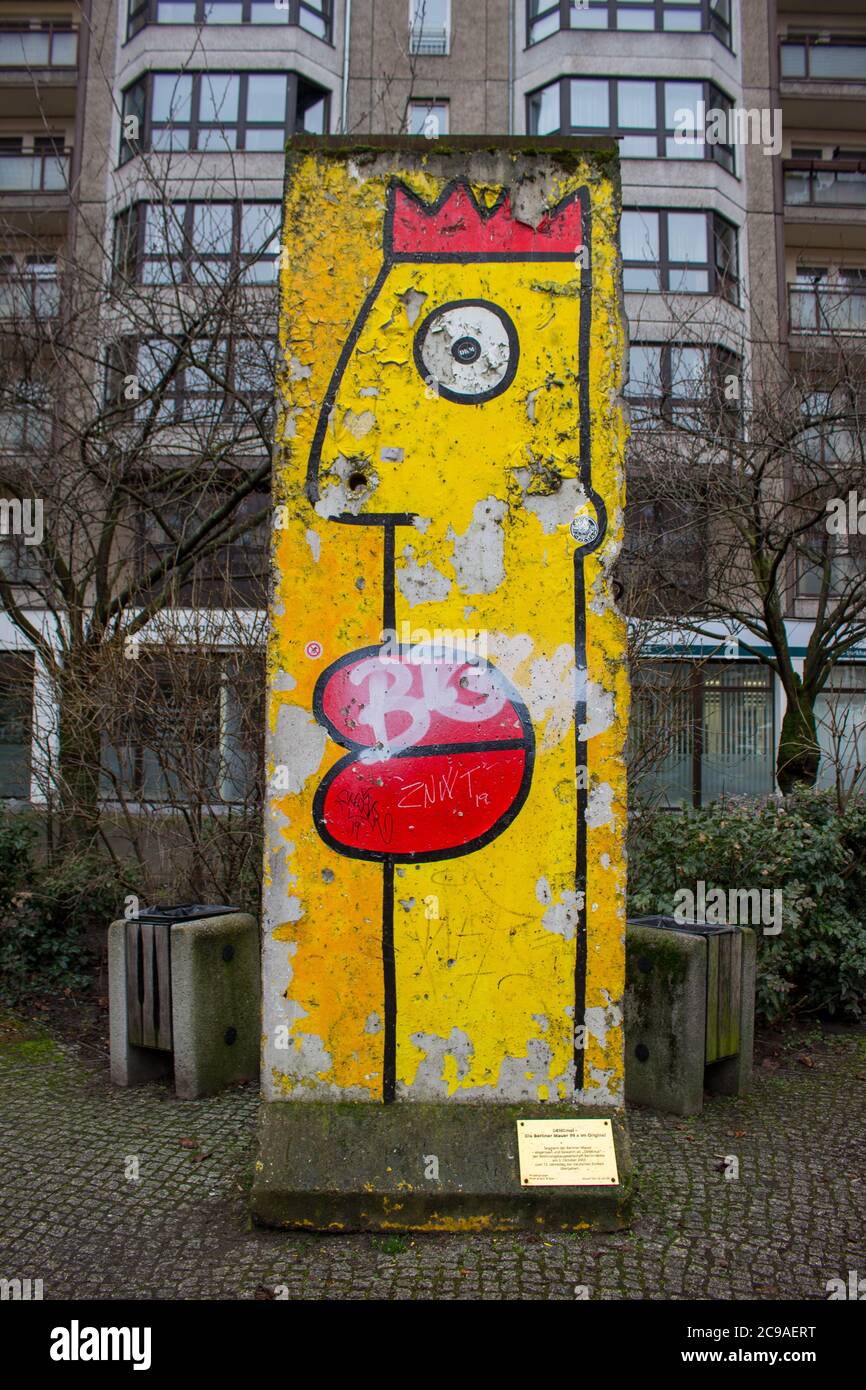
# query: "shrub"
803,846
17,838
46,922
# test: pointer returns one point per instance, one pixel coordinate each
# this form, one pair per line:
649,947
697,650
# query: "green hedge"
47,909
803,846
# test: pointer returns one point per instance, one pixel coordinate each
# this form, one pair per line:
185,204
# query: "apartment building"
746,247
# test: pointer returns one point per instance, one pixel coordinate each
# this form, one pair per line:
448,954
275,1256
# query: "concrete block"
216,1007
665,1019
216,1003
130,1065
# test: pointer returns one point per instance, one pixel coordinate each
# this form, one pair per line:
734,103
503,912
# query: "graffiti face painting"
444,530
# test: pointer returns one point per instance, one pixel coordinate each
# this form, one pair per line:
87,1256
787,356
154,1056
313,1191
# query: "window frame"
53,27
712,22
694,693
141,13
206,589
416,39
429,105
722,359
144,84
716,281
124,735
130,255
711,95
123,359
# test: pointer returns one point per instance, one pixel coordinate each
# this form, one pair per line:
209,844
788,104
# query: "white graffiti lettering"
388,693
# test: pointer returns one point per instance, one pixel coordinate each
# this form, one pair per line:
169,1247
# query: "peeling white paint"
599,710
599,805
301,742
479,554
297,370
421,583
562,917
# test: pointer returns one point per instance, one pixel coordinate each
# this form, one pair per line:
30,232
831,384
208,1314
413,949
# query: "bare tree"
740,458
136,409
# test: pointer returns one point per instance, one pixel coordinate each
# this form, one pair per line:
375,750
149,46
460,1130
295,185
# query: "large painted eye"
467,351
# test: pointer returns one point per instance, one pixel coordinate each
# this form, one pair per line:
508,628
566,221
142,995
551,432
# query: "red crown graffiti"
457,226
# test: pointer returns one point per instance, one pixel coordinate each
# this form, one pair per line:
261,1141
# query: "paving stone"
73,1214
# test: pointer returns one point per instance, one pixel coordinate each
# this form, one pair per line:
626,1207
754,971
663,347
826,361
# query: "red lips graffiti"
440,761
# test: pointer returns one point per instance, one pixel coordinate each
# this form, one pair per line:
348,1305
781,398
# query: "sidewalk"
71,1216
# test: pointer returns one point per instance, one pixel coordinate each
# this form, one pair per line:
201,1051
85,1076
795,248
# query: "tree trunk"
81,716
799,755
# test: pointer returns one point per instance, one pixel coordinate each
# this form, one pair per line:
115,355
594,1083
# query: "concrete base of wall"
358,1167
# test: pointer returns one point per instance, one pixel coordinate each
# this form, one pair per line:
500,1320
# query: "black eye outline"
513,351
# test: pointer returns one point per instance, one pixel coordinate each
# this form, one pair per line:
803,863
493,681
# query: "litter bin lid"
689,928
184,912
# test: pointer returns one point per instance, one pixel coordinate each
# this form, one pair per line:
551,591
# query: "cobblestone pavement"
72,1213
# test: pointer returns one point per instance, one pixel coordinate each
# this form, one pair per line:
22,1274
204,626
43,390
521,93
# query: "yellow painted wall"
486,988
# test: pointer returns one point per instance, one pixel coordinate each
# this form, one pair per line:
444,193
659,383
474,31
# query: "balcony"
823,84
38,72
428,42
827,309
825,182
49,46
822,61
37,171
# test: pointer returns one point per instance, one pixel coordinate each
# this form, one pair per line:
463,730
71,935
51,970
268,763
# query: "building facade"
111,110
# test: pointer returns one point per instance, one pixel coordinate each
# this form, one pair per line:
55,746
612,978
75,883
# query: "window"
233,576
840,714
821,302
823,59
34,164
29,287
207,381
42,46
25,415
663,560
428,118
828,454
16,708
312,15
652,118
173,243
429,26
679,251
222,111
709,727
691,386
186,728
545,17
